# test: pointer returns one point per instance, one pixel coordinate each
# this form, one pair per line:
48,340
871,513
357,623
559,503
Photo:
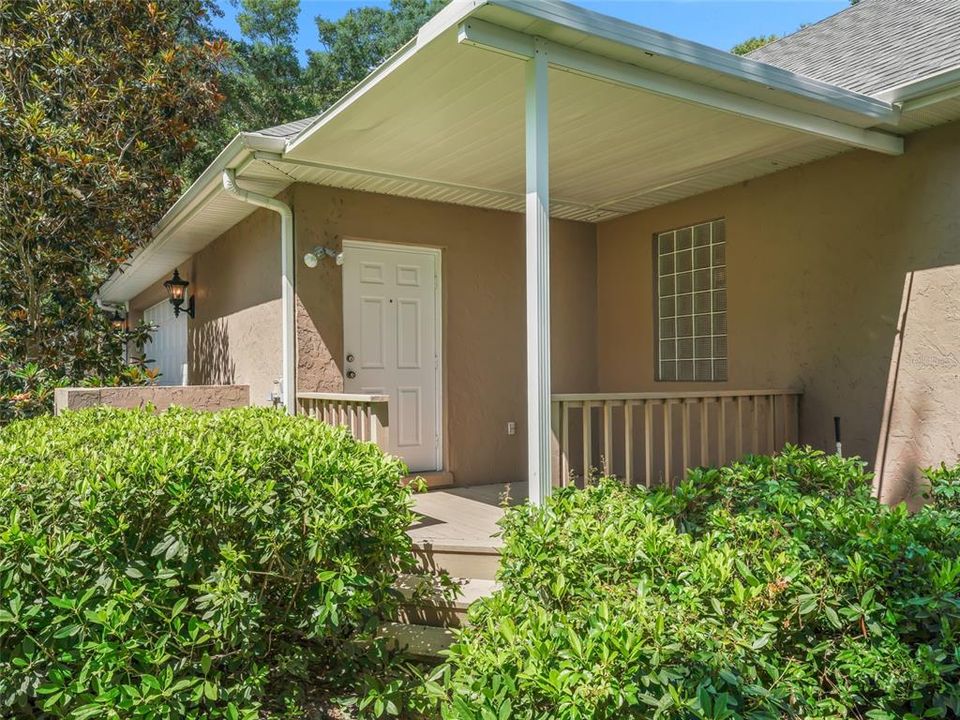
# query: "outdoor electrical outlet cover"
511,428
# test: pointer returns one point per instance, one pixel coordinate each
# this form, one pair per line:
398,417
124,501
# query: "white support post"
539,430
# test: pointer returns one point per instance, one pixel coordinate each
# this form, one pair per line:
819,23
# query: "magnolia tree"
98,99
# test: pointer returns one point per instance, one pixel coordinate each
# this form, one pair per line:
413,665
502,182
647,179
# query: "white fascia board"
924,92
482,34
662,44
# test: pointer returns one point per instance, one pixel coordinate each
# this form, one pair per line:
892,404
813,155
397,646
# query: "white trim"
345,397
478,33
437,254
926,91
537,147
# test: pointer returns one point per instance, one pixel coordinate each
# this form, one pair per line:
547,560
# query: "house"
539,240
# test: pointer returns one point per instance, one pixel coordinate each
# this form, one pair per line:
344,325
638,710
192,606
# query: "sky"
720,23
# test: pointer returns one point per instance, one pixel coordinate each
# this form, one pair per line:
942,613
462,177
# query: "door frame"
437,255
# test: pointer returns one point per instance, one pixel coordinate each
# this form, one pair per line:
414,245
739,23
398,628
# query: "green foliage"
774,588
359,41
97,101
190,565
944,492
754,43
26,388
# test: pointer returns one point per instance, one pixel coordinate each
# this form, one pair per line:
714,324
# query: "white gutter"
926,91
288,317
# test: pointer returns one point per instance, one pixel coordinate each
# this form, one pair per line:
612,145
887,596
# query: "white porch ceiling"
448,125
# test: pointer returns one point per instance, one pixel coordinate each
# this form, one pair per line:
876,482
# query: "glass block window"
691,322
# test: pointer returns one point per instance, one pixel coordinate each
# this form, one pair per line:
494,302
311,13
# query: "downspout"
288,318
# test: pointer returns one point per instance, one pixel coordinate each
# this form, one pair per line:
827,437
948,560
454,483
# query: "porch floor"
464,517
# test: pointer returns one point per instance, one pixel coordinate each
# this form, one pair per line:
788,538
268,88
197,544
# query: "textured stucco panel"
818,257
923,402
197,397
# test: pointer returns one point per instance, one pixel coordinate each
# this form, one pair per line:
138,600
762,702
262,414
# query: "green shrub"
190,564
944,492
774,588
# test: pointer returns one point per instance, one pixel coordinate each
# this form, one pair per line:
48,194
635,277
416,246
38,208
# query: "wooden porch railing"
365,415
653,438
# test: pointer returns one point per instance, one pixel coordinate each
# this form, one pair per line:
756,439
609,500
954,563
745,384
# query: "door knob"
351,374
349,357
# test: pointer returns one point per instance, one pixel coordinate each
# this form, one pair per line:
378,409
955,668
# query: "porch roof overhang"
638,118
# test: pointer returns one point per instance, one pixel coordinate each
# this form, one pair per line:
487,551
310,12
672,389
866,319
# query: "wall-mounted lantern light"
118,322
176,288
313,258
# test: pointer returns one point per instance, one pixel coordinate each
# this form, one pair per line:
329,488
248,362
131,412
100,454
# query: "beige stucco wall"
236,335
819,261
484,317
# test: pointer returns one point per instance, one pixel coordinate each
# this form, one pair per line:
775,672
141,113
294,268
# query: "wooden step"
429,602
458,560
420,641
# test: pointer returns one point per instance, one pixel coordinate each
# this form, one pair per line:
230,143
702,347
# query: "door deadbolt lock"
351,374
349,357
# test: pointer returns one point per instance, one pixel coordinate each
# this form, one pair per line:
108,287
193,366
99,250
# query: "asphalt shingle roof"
873,45
287,130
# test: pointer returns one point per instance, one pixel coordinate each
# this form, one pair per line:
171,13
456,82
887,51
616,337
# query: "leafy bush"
944,493
190,564
777,587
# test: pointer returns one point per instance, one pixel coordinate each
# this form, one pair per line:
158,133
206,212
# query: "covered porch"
562,114
509,122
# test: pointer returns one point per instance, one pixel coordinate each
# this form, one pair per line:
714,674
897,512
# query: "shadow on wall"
921,418
320,301
210,360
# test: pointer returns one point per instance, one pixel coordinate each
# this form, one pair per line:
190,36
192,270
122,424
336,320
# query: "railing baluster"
722,433
648,441
607,438
667,442
704,432
739,427
628,442
755,399
685,432
772,423
564,444
587,441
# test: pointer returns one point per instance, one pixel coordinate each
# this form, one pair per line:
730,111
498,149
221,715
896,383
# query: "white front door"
391,341
167,348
